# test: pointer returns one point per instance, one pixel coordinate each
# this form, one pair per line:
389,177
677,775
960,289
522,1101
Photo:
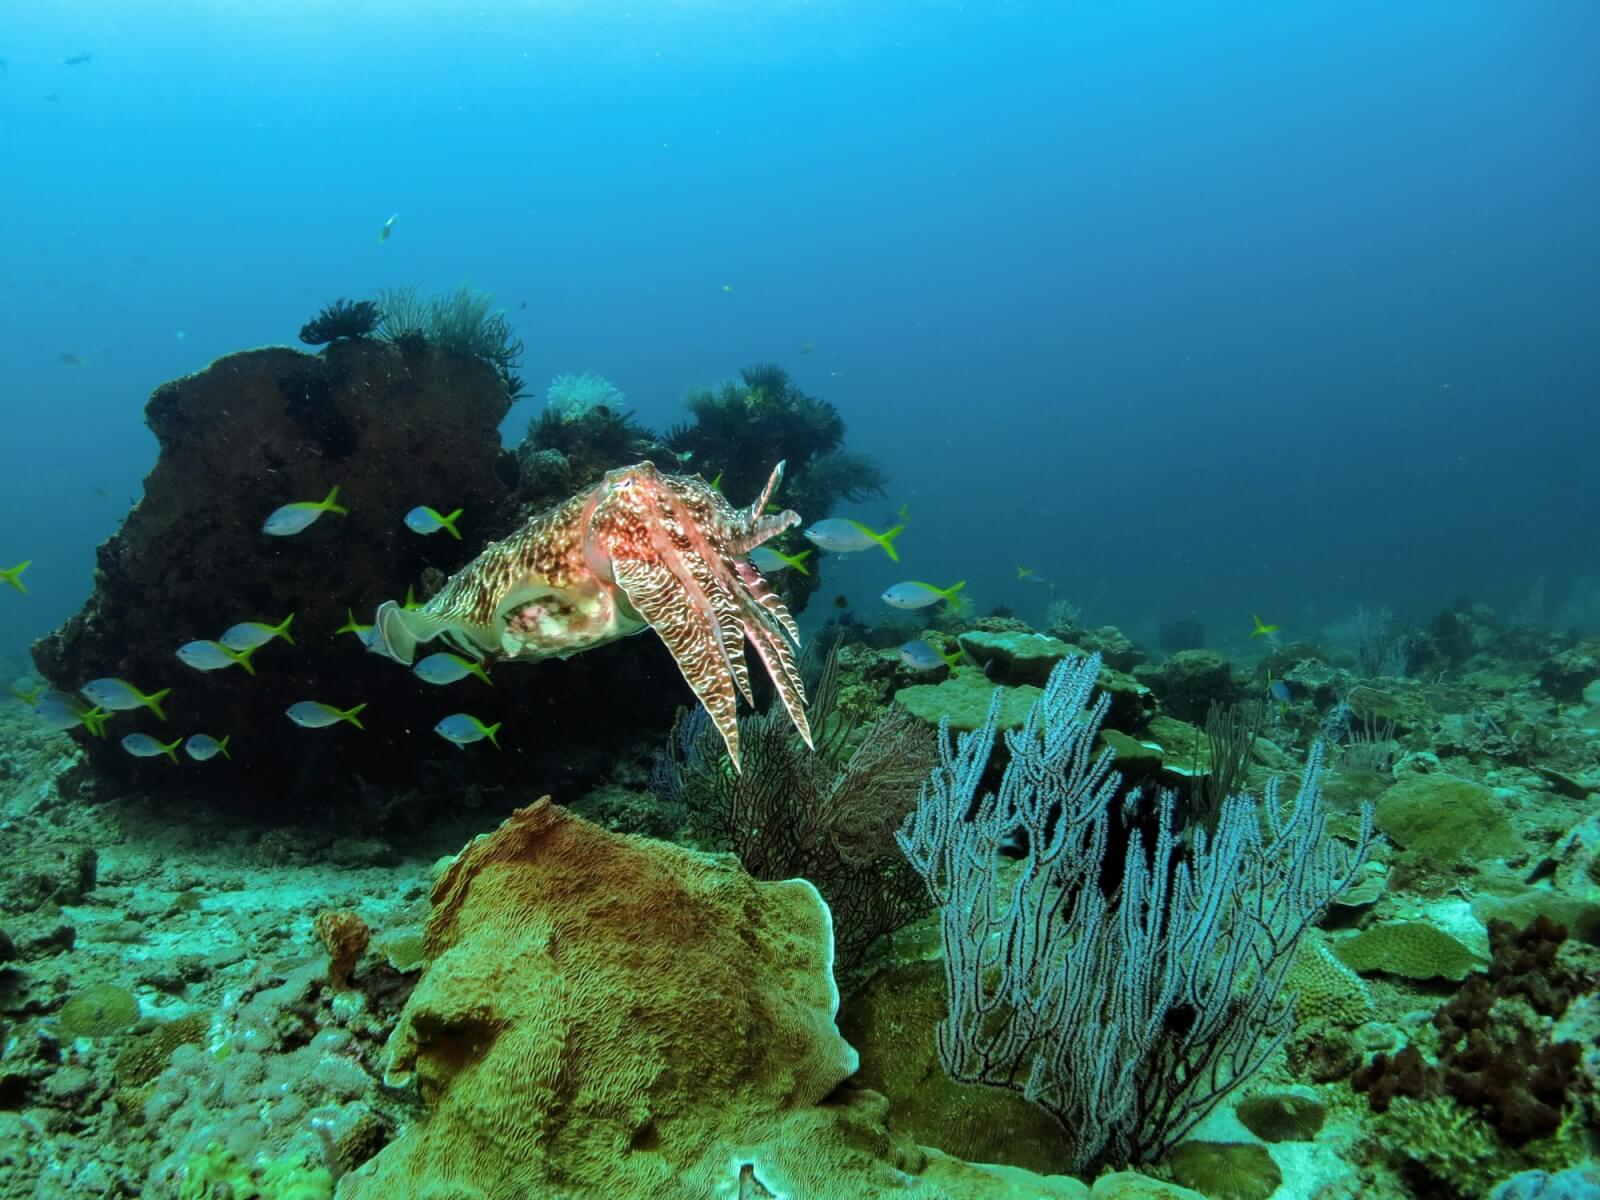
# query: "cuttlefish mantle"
640,549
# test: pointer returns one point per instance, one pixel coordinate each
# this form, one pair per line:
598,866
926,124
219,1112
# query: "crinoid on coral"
461,323
341,319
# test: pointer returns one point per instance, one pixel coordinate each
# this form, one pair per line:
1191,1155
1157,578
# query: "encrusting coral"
606,1015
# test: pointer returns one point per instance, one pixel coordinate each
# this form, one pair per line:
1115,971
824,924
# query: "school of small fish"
534,621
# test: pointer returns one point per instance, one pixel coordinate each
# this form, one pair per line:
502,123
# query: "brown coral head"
345,936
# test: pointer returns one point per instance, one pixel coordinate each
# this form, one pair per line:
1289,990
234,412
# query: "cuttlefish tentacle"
639,549
758,524
675,553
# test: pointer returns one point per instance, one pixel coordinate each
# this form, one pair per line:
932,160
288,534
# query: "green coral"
217,1174
1281,1116
1445,821
1226,1170
964,698
1328,990
1409,949
99,1011
1013,657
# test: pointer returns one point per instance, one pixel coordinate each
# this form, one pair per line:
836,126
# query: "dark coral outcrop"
393,429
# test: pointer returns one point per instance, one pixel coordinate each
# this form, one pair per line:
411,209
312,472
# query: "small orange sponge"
345,935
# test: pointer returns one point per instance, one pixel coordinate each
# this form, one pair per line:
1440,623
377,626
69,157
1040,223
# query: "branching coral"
1509,1070
341,319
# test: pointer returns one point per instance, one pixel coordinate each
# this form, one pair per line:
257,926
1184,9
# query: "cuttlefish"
639,550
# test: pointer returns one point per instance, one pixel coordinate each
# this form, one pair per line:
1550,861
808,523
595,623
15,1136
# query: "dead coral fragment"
345,936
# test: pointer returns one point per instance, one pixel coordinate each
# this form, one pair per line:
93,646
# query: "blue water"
1201,310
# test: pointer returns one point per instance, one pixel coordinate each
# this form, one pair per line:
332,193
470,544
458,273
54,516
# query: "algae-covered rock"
1113,646
1189,681
964,698
1409,949
1522,903
1135,759
1015,658
891,1022
1446,821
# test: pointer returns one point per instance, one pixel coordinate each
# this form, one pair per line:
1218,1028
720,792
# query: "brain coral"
1445,820
1327,989
99,1011
605,1015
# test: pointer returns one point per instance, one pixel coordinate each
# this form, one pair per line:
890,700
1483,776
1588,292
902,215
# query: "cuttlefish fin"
694,639
397,630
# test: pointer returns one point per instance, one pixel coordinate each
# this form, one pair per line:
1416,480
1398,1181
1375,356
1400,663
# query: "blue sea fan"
576,396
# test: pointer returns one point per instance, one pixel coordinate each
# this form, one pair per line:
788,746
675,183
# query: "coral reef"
263,428
606,1015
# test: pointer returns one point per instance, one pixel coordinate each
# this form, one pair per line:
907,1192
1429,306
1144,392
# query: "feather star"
640,549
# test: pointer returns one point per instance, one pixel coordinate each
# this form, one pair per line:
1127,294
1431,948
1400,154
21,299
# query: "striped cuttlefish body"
640,549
